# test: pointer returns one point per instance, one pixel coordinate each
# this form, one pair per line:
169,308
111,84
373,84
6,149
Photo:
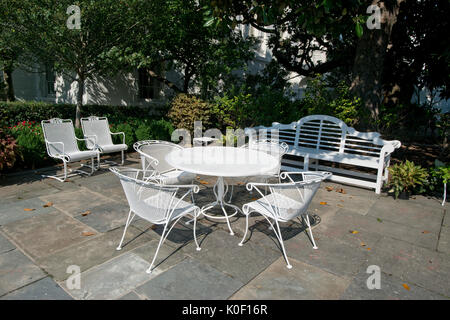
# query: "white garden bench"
323,138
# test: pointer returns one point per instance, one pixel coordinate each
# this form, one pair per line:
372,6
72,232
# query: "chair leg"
123,157
149,270
195,228
246,230
310,232
129,219
280,238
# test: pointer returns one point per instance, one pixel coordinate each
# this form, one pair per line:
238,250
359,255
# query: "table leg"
220,190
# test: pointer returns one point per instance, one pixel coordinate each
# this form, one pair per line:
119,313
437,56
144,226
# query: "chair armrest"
87,139
92,138
55,142
149,158
117,133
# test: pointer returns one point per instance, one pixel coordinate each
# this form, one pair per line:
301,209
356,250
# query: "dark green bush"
185,109
14,112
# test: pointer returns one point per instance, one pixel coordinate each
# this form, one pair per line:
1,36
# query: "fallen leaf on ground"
405,286
340,205
48,204
363,244
87,233
341,191
323,203
86,213
425,231
353,231
329,188
203,182
254,199
368,248
153,227
29,209
379,220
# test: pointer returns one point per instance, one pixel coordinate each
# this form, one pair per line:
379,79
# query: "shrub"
129,134
231,110
185,109
14,112
30,138
339,103
9,151
407,177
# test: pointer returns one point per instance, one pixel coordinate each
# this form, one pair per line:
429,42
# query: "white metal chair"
270,146
156,202
153,153
61,143
97,129
286,201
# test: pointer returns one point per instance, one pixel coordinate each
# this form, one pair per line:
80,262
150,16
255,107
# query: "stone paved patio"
408,240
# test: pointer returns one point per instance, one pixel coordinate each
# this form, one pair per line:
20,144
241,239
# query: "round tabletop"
223,161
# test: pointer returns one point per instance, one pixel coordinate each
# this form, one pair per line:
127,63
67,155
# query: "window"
50,79
148,86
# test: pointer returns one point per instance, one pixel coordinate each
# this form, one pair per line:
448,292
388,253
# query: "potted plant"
441,174
406,177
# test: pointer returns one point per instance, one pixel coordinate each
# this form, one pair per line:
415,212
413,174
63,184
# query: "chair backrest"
291,199
155,149
146,195
270,146
98,127
59,130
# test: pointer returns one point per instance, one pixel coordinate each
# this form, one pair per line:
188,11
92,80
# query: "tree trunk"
369,61
8,80
187,79
80,94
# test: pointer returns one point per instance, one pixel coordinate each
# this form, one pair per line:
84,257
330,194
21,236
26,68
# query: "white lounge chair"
97,129
153,153
285,202
61,143
155,202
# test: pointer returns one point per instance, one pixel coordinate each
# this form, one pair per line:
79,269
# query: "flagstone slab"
180,234
46,234
105,217
17,271
75,202
190,279
92,252
5,245
15,211
345,219
303,281
23,190
112,279
167,255
446,220
221,250
332,255
413,264
408,213
391,288
44,289
444,240
131,296
355,203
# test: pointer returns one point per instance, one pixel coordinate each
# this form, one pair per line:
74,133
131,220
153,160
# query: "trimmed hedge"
13,112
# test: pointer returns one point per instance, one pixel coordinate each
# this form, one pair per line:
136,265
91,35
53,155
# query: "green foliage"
154,130
14,112
231,110
339,103
407,177
443,125
9,151
30,140
185,109
126,128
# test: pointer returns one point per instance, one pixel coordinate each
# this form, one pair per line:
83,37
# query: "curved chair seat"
113,148
80,155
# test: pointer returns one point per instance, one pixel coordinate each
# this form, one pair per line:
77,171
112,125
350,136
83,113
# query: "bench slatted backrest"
321,132
363,143
281,132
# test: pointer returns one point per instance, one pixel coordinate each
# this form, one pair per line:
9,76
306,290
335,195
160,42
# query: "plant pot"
404,195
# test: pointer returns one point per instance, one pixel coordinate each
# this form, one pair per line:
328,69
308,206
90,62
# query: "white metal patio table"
222,162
